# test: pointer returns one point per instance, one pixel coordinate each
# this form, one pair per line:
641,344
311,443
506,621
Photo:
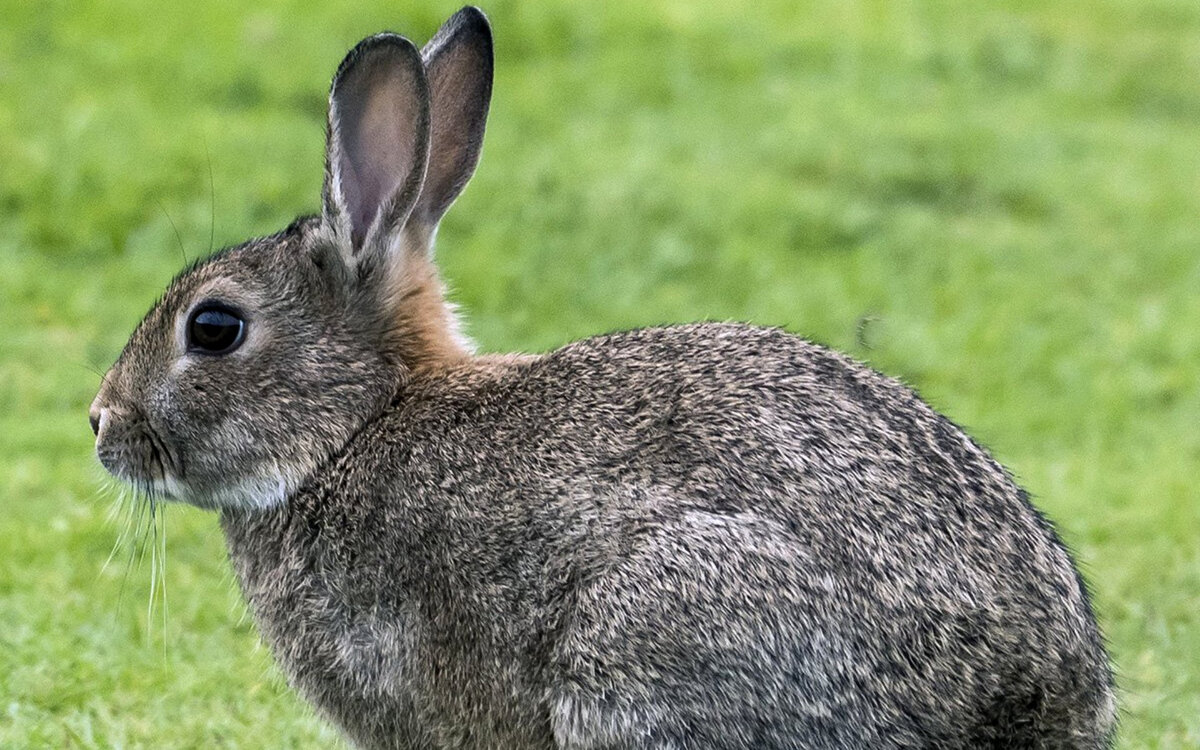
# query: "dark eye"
215,329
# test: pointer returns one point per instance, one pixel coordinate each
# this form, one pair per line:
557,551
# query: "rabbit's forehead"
247,292
246,276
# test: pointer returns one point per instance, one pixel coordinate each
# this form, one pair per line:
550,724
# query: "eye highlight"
215,329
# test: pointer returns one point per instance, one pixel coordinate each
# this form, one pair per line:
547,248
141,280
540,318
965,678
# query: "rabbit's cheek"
230,462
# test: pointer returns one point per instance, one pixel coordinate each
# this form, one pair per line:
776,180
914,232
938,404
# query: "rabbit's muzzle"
129,448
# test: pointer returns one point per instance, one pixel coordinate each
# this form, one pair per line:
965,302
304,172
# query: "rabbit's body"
713,536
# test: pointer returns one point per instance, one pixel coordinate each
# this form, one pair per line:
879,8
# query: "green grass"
996,202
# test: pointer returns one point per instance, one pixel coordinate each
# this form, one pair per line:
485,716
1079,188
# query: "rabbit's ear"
378,142
458,64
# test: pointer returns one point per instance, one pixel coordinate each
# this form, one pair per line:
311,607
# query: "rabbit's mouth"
133,452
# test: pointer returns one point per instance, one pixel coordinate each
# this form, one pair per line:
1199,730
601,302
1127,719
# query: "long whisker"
212,200
175,229
137,511
153,533
162,575
158,570
117,508
93,369
128,542
137,508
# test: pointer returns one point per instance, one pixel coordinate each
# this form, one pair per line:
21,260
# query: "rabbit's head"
259,362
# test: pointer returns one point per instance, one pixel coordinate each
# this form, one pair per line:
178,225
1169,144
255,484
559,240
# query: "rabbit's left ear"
378,143
458,64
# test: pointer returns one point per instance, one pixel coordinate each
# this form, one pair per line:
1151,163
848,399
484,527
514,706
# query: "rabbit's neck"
425,334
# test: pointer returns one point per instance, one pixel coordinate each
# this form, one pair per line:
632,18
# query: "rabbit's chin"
265,490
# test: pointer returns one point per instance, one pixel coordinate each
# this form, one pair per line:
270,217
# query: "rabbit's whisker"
212,200
175,229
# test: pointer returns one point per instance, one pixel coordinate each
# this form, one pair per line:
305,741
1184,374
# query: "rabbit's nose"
96,419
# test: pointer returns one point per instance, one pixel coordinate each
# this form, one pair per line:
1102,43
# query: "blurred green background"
996,202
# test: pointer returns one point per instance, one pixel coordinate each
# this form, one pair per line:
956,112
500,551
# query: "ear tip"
473,16
388,42
468,24
381,46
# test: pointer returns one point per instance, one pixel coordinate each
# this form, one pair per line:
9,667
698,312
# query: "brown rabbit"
703,536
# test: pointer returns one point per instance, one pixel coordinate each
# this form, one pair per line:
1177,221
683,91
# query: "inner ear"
378,137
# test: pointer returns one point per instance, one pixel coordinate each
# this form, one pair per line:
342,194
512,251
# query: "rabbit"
697,536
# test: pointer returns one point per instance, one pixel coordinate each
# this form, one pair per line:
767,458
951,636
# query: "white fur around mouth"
248,493
167,487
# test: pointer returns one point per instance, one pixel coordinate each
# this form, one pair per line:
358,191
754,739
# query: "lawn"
998,203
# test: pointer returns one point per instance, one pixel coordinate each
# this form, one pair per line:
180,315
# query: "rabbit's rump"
722,631
797,552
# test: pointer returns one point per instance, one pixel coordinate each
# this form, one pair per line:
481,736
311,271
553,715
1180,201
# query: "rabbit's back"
709,536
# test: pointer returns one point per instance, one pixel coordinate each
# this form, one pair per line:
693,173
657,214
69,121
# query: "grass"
996,203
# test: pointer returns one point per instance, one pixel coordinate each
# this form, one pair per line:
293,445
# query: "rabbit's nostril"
94,420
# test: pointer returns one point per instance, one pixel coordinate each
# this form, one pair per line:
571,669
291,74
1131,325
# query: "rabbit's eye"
215,330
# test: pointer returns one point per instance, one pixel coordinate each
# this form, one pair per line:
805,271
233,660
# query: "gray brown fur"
702,536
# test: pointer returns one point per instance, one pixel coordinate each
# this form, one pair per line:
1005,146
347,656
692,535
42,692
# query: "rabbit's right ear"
458,64
378,144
